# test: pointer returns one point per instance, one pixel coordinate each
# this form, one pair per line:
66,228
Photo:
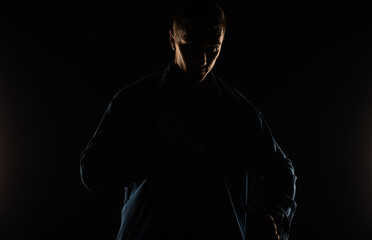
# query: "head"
196,37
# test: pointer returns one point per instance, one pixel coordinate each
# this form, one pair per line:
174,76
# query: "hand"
261,226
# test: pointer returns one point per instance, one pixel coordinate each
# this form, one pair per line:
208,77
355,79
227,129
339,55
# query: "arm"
113,155
279,181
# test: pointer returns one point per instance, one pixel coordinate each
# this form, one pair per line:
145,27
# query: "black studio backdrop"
308,67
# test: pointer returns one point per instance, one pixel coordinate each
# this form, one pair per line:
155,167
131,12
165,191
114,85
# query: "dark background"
307,66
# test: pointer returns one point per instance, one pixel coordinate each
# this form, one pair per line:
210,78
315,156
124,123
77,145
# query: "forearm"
100,170
279,194
108,161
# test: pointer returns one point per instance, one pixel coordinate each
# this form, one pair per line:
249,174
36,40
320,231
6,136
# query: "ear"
171,40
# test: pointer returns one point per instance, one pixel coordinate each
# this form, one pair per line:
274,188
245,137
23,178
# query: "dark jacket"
241,153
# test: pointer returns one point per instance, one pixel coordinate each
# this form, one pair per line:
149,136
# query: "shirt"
242,164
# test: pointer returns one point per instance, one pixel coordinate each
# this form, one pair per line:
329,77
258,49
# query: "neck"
184,78
183,84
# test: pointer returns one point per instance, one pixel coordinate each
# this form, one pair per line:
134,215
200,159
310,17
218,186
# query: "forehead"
199,34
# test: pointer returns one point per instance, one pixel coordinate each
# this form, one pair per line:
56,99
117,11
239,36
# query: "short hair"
201,13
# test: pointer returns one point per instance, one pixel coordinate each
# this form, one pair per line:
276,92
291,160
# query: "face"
196,50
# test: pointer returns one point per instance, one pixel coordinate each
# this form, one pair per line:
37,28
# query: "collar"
211,83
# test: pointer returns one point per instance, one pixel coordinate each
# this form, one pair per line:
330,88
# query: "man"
196,159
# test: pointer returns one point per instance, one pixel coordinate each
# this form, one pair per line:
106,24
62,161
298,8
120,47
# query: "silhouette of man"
196,159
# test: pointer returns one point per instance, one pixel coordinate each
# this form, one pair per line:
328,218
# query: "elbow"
89,180
90,174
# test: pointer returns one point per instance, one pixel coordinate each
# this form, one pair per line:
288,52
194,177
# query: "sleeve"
279,181
112,156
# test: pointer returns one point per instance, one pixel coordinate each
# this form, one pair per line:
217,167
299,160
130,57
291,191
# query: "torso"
183,131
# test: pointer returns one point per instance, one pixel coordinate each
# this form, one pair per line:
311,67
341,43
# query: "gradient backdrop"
307,66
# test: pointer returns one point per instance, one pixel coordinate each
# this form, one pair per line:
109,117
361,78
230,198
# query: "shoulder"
141,87
229,91
247,109
133,95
